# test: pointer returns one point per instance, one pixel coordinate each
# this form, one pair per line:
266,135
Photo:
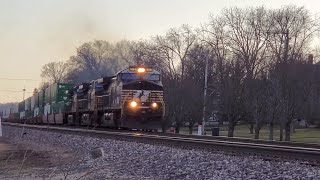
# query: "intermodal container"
36,100
61,107
41,98
60,92
15,108
27,106
41,110
47,96
28,113
21,106
33,101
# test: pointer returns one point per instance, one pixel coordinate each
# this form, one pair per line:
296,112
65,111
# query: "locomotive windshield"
134,76
99,86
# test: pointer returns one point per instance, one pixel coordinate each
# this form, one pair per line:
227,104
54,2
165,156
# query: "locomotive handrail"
125,99
162,102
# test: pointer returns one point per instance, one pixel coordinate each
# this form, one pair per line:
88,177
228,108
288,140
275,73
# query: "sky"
35,32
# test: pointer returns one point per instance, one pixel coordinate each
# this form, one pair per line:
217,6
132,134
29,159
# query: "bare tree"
273,106
260,110
247,34
177,44
43,85
92,56
54,72
295,29
194,83
173,49
96,59
239,37
123,50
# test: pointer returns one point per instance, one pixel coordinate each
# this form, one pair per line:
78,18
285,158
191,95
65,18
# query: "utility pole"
285,61
201,129
24,89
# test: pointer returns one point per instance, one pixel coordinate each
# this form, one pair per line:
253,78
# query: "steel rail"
284,151
239,139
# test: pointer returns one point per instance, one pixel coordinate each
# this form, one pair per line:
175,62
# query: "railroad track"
309,153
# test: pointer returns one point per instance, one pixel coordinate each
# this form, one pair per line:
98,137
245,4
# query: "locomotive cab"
138,92
80,97
99,96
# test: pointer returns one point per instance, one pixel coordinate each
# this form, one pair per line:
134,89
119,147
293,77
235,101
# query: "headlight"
154,105
141,70
133,104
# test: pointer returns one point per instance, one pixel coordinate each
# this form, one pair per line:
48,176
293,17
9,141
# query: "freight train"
132,98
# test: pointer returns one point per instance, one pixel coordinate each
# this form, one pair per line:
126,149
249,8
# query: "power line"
15,91
9,98
18,79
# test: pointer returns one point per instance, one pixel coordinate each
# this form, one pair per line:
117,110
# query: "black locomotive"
132,98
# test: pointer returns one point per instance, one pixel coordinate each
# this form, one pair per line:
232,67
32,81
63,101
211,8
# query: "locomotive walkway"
266,149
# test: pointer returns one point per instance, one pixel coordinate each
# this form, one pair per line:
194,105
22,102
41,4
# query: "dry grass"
305,135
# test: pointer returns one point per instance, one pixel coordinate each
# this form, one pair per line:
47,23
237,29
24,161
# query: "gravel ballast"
135,160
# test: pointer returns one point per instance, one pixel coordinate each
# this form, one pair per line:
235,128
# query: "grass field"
306,135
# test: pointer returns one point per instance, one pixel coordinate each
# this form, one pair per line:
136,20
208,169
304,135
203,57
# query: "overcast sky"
35,32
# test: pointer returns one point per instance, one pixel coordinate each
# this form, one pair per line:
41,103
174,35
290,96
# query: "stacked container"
47,101
33,101
35,105
21,106
27,107
36,99
47,97
21,109
41,101
60,97
56,101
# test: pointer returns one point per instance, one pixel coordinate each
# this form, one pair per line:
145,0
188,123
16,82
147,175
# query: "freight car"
10,112
132,98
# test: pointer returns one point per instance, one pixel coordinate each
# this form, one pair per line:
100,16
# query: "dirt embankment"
21,161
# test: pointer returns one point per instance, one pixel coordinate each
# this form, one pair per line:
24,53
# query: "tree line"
260,71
